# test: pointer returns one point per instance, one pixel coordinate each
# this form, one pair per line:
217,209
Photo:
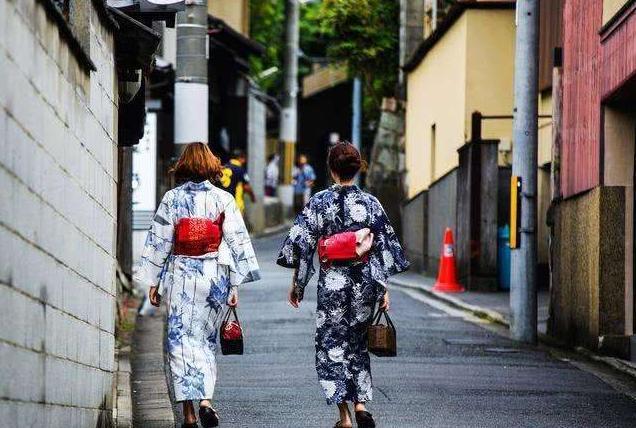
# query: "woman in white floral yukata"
197,252
348,289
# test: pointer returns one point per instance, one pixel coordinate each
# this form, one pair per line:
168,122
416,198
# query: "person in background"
235,180
303,177
272,173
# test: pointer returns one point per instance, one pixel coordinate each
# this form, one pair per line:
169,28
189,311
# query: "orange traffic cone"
447,276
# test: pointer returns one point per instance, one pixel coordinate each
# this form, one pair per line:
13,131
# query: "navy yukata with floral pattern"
195,289
347,293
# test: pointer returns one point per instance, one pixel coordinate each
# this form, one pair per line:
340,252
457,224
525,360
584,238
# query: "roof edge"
455,12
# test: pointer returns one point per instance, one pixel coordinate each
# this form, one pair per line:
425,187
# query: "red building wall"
595,65
580,153
618,46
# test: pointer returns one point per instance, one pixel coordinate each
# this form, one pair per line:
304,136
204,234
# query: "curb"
123,408
617,364
478,311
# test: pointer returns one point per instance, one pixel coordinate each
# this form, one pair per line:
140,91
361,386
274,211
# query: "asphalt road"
449,372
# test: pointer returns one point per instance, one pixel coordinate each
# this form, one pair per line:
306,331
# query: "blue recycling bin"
503,257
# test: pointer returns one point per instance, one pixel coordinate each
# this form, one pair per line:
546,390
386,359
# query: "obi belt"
345,247
196,236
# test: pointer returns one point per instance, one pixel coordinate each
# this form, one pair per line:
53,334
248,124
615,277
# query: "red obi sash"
196,236
344,247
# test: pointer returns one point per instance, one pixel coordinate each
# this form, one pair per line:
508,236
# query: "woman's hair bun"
344,160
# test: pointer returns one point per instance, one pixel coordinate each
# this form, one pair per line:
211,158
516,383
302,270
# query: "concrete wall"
442,213
543,232
589,271
57,223
618,170
611,7
545,129
414,233
543,178
490,52
235,13
470,68
436,95
256,133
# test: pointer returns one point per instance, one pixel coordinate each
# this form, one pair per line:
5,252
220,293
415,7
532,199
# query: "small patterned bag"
382,341
231,334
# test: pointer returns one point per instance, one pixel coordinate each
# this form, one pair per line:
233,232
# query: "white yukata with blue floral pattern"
347,293
195,289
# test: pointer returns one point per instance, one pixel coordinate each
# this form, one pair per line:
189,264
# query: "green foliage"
267,22
361,33
267,27
365,35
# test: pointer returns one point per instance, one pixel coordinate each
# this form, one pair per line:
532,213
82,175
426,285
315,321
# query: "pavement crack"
383,393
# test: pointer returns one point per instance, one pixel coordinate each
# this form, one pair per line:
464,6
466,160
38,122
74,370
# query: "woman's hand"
154,296
385,303
292,297
232,299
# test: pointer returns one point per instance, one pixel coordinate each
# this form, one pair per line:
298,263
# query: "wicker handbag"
231,334
382,341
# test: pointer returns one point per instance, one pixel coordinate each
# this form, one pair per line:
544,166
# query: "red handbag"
195,236
231,334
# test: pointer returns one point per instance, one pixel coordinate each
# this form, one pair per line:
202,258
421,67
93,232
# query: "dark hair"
344,160
197,163
238,153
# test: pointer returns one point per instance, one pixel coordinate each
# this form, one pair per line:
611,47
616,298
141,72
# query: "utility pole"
523,293
434,15
288,115
191,80
356,119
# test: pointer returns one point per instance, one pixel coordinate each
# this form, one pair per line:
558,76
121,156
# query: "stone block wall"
414,234
587,297
57,222
442,213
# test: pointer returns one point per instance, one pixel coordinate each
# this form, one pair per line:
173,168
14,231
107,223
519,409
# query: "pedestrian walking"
347,289
272,174
197,252
303,176
235,180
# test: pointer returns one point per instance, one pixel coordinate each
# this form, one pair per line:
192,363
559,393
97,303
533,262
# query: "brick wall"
57,222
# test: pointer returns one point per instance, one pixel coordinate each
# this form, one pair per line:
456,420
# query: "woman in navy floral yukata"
347,291
197,252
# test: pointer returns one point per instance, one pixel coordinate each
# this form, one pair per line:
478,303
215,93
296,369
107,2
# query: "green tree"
267,27
267,18
364,34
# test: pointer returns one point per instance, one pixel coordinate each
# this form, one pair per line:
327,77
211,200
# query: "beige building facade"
469,69
235,13
466,66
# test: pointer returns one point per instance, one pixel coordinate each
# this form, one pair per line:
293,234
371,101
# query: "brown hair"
345,161
197,163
